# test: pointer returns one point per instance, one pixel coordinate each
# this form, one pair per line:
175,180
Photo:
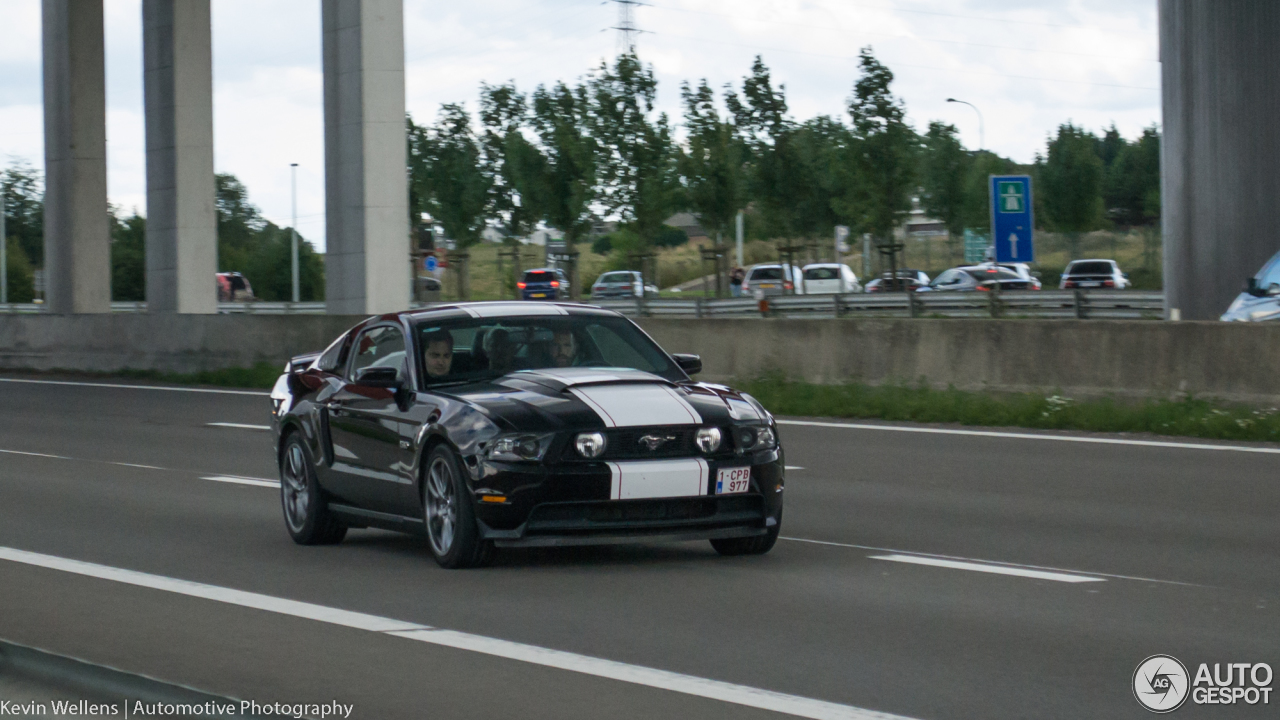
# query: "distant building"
688,222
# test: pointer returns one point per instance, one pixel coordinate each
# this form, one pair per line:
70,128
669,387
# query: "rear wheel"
756,545
306,512
452,532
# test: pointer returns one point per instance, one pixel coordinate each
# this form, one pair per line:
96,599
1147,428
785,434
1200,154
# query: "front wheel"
452,532
755,545
306,513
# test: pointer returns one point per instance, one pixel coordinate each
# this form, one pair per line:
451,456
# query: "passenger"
564,349
501,351
439,352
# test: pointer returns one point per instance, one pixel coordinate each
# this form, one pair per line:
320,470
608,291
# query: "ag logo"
1160,683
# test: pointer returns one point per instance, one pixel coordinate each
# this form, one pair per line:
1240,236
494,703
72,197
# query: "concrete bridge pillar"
77,230
366,188
182,230
1220,164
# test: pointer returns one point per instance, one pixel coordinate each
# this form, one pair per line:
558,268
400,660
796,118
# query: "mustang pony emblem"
653,442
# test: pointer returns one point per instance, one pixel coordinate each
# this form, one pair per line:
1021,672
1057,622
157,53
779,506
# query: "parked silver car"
621,284
829,279
773,279
1093,274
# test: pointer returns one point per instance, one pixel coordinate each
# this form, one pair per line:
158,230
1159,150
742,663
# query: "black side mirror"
690,364
379,377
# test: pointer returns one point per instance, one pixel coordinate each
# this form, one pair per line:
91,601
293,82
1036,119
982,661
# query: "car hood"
1250,308
603,398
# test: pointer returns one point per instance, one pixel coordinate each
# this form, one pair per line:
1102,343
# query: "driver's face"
563,349
439,358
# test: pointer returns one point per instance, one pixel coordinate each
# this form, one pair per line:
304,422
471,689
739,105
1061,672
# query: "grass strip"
1190,417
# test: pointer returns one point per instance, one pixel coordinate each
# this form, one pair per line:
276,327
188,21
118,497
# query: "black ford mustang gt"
520,424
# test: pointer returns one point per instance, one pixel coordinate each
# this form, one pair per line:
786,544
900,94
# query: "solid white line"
988,562
257,482
794,467
239,426
35,454
136,465
1034,436
994,569
138,387
585,664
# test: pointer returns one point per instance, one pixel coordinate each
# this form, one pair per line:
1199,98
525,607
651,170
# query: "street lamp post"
293,231
982,140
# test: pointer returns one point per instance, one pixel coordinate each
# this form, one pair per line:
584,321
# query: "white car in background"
829,279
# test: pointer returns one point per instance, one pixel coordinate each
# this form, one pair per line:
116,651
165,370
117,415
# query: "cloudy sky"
1028,65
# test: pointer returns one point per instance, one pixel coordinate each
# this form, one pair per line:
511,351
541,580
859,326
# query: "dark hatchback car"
486,425
543,284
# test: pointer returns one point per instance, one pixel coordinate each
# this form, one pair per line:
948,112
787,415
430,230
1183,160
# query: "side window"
335,356
381,347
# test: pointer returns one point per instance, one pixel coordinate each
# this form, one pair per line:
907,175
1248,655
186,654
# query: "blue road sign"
431,263
1012,225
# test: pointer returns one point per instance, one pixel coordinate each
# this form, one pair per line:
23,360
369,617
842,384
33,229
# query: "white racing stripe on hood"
511,309
638,404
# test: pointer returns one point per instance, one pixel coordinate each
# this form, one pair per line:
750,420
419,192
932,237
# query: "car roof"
499,309
1085,260
824,264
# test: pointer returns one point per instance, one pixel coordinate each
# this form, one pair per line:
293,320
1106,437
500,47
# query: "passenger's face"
439,358
563,349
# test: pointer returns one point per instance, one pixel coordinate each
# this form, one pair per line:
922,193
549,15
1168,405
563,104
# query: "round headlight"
590,444
708,439
765,438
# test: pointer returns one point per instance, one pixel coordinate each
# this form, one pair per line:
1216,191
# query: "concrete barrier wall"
1080,358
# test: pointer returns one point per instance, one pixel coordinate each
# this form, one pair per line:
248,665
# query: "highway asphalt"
1027,577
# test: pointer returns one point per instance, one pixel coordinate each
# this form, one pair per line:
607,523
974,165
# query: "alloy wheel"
442,509
297,495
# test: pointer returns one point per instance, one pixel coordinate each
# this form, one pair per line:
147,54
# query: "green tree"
1133,181
760,117
445,170
23,190
22,287
514,167
712,166
249,244
1071,177
561,119
976,202
883,155
128,257
637,161
943,168
817,149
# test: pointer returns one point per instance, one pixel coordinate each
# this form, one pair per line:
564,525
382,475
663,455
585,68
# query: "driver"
439,352
564,348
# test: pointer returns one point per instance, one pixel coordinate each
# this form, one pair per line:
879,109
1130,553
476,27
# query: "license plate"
1089,284
733,480
768,285
538,295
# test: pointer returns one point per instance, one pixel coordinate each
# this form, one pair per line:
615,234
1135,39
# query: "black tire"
756,545
306,511
452,533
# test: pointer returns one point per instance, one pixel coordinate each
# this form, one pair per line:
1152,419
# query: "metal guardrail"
1078,304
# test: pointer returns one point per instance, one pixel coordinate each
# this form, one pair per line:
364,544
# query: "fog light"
745,438
708,439
590,445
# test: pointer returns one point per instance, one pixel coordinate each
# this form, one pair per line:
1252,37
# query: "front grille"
639,514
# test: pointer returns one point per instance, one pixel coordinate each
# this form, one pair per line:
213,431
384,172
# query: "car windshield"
472,350
539,276
822,273
767,273
1091,268
618,277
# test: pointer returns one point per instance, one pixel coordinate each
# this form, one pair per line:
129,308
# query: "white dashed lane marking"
239,426
993,569
257,482
546,657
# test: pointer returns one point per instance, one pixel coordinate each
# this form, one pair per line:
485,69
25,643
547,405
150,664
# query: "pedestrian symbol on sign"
1011,199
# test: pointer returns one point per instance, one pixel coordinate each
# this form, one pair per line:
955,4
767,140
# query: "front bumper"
572,505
